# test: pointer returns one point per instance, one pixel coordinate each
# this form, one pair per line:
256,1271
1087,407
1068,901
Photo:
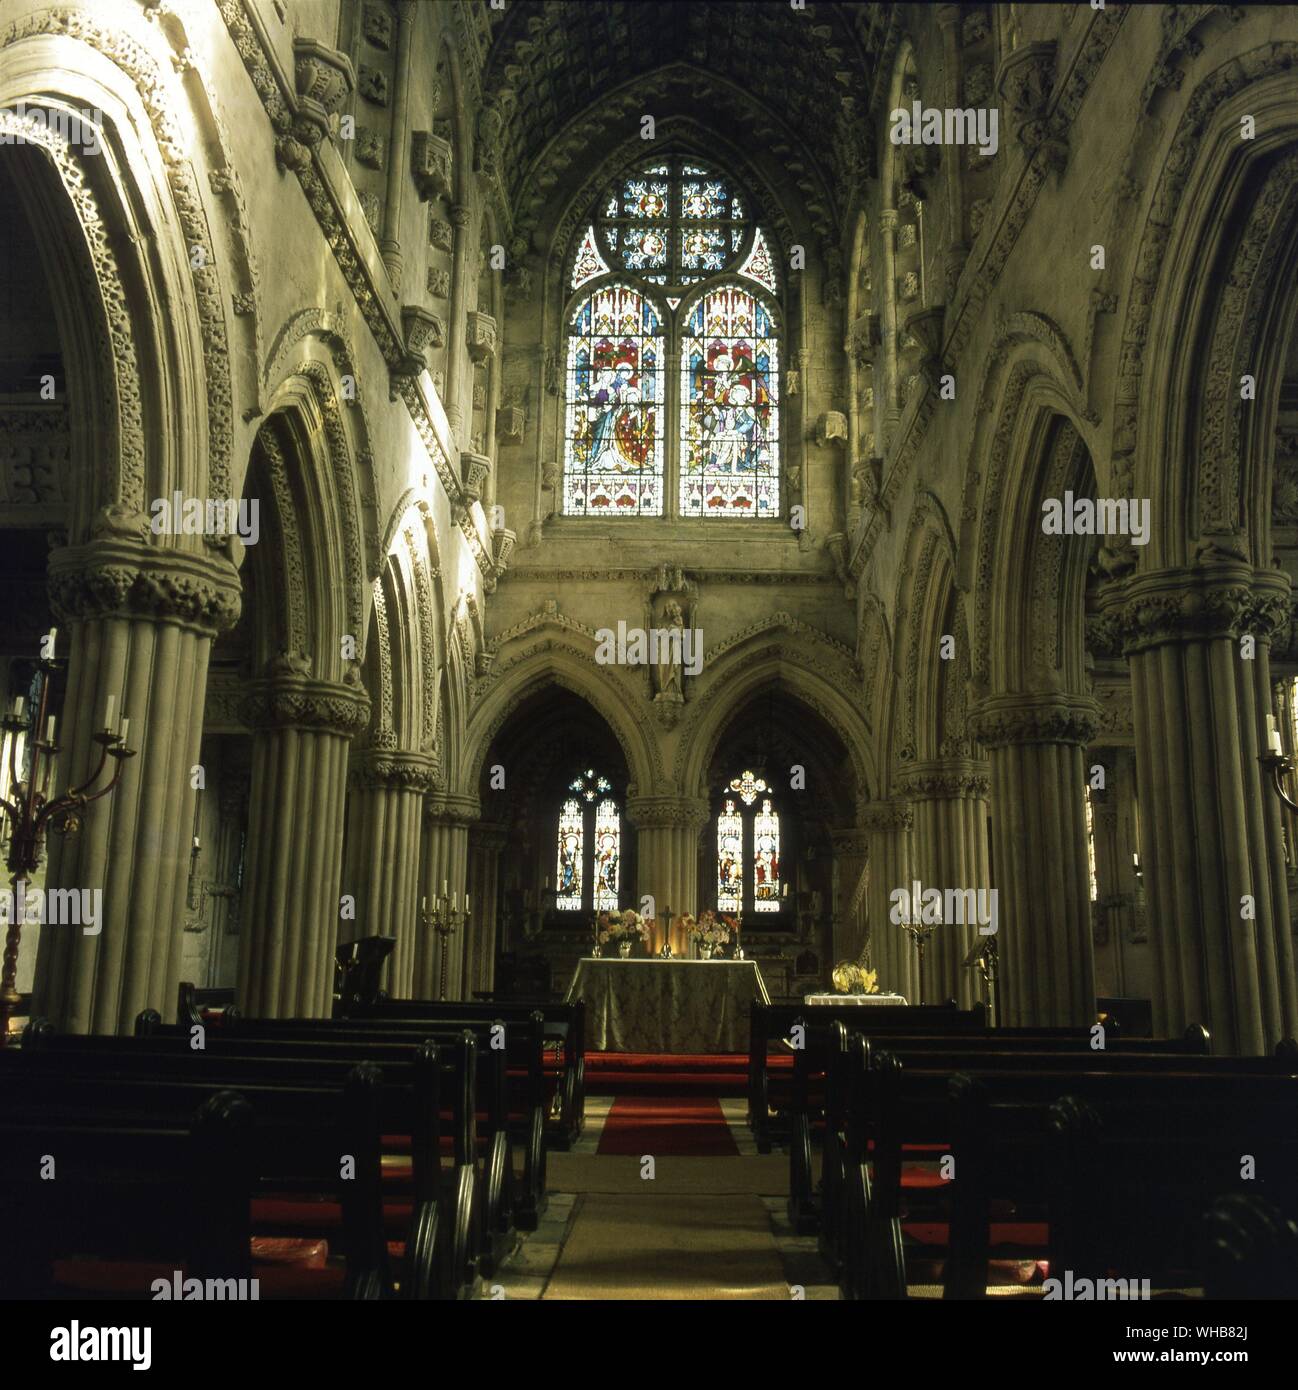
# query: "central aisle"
665,1197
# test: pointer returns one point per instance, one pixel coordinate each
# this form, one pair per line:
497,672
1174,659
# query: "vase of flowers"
709,933
623,928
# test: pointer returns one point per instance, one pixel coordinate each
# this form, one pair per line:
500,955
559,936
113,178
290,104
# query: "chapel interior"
605,524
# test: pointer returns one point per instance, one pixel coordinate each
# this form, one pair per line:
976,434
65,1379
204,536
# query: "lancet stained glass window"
614,447
729,408
730,860
748,847
589,846
659,230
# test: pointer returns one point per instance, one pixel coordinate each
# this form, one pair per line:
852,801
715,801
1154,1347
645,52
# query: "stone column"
142,621
850,850
1210,822
955,252
888,221
444,860
457,351
667,848
291,893
887,825
949,850
381,864
486,841
1036,745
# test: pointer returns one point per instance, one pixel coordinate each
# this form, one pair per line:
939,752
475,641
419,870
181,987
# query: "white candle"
54,633
49,730
121,733
1276,746
455,900
466,903
18,706
443,888
108,714
423,903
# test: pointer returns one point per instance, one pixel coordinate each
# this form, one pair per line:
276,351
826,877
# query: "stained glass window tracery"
674,223
589,846
748,847
613,463
729,407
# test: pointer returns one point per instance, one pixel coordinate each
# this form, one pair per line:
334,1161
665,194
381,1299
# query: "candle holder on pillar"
1278,763
31,811
919,933
445,919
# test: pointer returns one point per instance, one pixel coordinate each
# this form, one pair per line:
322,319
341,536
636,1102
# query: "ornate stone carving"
324,78
946,780
1035,718
448,808
424,330
439,282
1225,598
378,26
885,817
393,770
667,812
287,698
116,578
371,147
1025,82
510,422
480,334
831,425
440,234
430,158
477,469
373,85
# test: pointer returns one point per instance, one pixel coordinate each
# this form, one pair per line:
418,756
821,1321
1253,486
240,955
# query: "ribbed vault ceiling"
804,77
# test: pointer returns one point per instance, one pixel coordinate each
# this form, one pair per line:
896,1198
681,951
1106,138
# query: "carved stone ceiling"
804,75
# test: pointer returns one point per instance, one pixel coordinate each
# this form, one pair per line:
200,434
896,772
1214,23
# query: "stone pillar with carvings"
948,850
381,863
486,841
291,895
851,846
1212,848
142,621
955,252
444,862
887,825
457,350
888,223
1036,745
667,849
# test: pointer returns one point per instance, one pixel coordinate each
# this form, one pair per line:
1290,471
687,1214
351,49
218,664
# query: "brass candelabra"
32,811
445,918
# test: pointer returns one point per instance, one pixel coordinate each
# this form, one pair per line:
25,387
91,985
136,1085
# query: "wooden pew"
770,1024
898,1103
564,1032
510,1101
162,1170
809,1096
435,1212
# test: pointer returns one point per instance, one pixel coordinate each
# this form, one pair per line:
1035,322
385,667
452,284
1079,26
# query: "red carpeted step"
676,1126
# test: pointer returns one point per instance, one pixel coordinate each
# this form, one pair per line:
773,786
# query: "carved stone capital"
476,469
667,812
1223,598
946,779
885,817
480,335
398,770
449,808
850,841
324,78
502,547
488,838
1035,718
294,701
430,161
888,220
1025,82
121,578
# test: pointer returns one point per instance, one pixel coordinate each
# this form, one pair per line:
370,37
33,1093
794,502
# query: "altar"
674,1006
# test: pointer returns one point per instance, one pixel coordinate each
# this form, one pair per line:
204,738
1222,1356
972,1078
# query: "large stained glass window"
730,859
749,877
614,447
729,408
672,260
572,844
766,859
589,846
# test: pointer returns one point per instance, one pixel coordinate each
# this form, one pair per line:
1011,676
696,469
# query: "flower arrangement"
851,977
708,929
618,926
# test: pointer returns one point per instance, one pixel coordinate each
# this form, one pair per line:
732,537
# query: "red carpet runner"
667,1126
